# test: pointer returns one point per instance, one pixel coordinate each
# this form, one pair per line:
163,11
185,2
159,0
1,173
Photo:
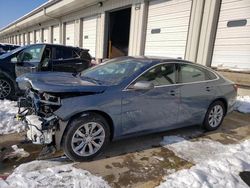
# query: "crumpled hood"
57,82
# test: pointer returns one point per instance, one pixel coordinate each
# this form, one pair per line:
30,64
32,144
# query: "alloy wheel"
5,89
215,116
88,139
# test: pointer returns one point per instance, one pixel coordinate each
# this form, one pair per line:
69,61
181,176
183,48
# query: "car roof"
154,59
7,44
59,45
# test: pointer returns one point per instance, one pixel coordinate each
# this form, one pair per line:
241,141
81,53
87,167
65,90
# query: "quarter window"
190,73
160,75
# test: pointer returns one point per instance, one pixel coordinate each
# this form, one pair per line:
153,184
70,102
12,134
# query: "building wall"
199,42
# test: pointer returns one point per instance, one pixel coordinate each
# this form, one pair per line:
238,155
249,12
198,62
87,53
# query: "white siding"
46,35
56,34
171,19
89,35
38,36
70,33
31,37
232,44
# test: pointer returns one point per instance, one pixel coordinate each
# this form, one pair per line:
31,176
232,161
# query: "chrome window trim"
197,65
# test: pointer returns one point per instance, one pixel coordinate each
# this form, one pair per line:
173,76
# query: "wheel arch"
4,74
223,100
85,113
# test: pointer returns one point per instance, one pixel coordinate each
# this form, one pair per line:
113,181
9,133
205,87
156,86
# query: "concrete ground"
136,162
243,91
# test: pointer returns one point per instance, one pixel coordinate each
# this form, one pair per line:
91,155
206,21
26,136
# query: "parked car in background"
120,98
7,47
39,57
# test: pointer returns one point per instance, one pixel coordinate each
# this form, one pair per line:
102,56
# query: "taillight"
235,87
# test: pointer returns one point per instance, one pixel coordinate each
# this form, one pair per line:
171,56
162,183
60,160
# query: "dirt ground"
135,162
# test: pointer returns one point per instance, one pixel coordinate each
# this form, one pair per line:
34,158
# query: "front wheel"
7,90
86,137
214,116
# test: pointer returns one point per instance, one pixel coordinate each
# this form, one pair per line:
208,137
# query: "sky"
10,10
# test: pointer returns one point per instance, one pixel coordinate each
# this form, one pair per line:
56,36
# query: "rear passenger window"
63,53
190,73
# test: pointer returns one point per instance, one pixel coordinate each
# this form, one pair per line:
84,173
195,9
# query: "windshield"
7,54
113,71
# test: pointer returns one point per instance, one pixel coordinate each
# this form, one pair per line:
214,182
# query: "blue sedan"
123,97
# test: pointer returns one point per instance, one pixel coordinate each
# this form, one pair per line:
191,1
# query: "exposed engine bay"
36,112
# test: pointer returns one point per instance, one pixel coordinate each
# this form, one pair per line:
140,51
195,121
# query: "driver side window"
32,54
160,75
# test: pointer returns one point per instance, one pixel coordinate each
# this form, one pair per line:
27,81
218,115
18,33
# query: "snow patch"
8,123
51,174
217,165
17,153
243,104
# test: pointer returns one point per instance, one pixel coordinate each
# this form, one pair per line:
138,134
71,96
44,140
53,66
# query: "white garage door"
232,43
56,34
167,27
21,40
16,39
89,34
38,36
46,35
70,33
31,37
26,38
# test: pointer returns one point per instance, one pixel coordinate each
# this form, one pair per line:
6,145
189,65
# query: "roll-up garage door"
16,39
26,38
232,43
167,27
31,37
56,34
89,34
38,36
70,33
21,40
46,35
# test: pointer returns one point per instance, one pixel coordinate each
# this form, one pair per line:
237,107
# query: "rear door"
66,59
29,59
197,93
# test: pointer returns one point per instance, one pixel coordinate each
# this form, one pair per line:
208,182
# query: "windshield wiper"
93,80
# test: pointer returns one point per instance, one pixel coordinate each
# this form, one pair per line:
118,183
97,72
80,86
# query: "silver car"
128,96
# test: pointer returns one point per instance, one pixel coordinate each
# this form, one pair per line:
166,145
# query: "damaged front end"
36,112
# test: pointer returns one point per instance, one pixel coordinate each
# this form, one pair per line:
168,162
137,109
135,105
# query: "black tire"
72,129
208,125
11,92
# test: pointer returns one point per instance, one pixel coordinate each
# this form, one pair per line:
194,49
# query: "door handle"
172,92
79,63
208,88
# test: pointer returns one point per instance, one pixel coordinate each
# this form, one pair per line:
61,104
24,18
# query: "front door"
155,109
29,59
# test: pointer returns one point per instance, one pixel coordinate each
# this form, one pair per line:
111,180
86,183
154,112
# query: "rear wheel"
214,116
7,90
86,137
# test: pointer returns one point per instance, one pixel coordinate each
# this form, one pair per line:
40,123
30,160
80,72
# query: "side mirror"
142,85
